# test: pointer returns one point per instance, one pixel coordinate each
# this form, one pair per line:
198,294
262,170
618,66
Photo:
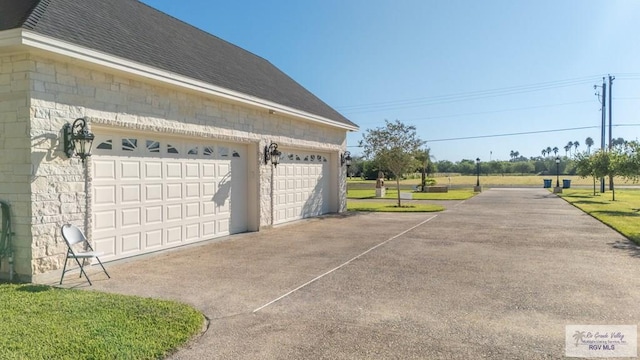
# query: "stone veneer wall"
61,92
15,161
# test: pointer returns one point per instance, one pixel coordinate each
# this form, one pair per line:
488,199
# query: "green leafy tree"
446,166
393,146
496,167
370,169
523,167
610,164
355,169
467,167
631,166
585,168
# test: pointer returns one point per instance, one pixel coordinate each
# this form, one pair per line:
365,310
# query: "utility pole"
611,78
604,123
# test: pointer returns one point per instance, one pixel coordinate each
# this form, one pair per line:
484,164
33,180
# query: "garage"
301,186
151,193
178,141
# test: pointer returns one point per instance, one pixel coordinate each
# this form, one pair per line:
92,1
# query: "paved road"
497,276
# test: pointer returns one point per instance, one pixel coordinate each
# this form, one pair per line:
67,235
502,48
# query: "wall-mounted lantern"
272,153
345,159
77,139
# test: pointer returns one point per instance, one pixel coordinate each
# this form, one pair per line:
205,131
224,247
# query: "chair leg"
64,269
103,269
83,272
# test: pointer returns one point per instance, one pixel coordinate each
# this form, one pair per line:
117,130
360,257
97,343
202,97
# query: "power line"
519,133
465,96
513,134
473,95
500,111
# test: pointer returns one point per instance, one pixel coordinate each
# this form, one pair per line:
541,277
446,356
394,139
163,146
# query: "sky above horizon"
476,78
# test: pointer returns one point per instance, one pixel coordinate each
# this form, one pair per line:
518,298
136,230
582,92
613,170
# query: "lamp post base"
557,190
477,188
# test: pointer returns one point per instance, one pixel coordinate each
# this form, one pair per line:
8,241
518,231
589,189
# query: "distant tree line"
368,169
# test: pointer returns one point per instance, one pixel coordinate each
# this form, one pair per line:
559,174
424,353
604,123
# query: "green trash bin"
566,183
547,183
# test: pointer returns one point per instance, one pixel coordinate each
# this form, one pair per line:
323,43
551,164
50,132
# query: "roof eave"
16,37
10,38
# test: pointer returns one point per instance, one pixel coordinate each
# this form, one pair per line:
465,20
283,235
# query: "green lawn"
391,207
42,322
623,215
453,194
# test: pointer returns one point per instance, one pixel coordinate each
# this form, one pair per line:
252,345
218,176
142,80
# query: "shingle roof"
132,30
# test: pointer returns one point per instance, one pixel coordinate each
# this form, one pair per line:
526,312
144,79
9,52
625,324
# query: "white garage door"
151,194
301,186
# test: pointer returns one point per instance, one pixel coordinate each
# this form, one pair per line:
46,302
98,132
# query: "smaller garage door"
301,186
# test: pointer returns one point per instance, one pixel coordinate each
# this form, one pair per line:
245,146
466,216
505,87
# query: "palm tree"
575,145
569,146
516,155
512,154
589,142
549,150
579,335
544,152
618,142
555,150
423,156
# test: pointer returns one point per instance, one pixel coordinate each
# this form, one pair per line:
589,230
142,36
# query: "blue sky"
454,69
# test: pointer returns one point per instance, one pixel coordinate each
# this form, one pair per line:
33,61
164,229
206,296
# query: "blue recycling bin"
566,183
547,183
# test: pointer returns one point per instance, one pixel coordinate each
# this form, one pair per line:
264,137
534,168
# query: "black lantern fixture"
557,171
272,153
477,171
345,159
77,139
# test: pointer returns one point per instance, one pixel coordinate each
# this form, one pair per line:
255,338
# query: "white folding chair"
73,236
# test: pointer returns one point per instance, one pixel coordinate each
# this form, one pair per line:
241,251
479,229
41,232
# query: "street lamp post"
557,171
477,188
477,171
557,189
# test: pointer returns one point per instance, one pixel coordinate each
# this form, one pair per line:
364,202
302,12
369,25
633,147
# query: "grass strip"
453,194
622,215
391,207
42,322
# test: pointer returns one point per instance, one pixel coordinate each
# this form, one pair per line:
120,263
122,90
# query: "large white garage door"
302,186
151,193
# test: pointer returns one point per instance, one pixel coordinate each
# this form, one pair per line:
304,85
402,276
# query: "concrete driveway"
497,276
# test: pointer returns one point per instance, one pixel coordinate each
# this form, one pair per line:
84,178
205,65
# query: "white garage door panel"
301,186
153,239
150,194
